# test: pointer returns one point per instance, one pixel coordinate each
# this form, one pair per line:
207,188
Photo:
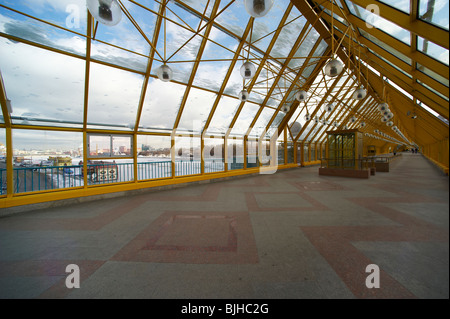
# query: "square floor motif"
196,233
194,237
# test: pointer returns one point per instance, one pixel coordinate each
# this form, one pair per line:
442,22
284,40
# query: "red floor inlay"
199,237
335,243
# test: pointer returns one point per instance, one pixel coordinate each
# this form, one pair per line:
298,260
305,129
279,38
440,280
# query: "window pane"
433,50
402,5
154,116
225,111
235,153
196,110
213,154
187,156
380,23
435,12
42,85
100,146
46,160
38,32
113,97
154,160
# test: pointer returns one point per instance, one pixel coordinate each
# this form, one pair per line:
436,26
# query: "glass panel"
42,84
234,85
55,11
213,154
433,90
210,74
264,27
154,160
273,129
263,83
383,45
128,38
402,5
435,12
122,145
235,153
312,152
290,152
432,74
168,94
200,6
245,118
187,156
196,111
113,96
305,49
390,63
288,36
100,146
234,18
280,149
433,50
380,23
181,45
45,160
225,111
306,152
261,123
252,153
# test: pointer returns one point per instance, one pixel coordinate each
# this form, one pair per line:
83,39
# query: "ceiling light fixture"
248,70
258,8
164,73
243,95
107,12
301,95
334,67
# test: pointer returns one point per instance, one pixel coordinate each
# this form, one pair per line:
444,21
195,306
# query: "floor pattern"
293,234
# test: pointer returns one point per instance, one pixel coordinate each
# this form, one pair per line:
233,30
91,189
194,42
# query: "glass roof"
62,68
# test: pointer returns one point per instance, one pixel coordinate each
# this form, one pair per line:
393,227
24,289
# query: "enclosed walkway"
293,234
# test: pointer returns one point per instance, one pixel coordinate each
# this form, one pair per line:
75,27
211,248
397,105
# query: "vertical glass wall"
213,155
187,156
153,157
47,160
235,148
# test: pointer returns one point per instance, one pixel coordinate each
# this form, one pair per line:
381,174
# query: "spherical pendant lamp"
164,73
359,94
333,68
107,12
329,107
248,70
243,95
383,107
285,108
258,8
301,95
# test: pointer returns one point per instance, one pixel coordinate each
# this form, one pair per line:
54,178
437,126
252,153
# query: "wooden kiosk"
345,153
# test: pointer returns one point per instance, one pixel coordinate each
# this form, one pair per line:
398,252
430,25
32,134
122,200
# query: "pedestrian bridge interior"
172,148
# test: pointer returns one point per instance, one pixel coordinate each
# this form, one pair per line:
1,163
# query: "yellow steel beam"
410,69
416,26
432,64
329,91
260,68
